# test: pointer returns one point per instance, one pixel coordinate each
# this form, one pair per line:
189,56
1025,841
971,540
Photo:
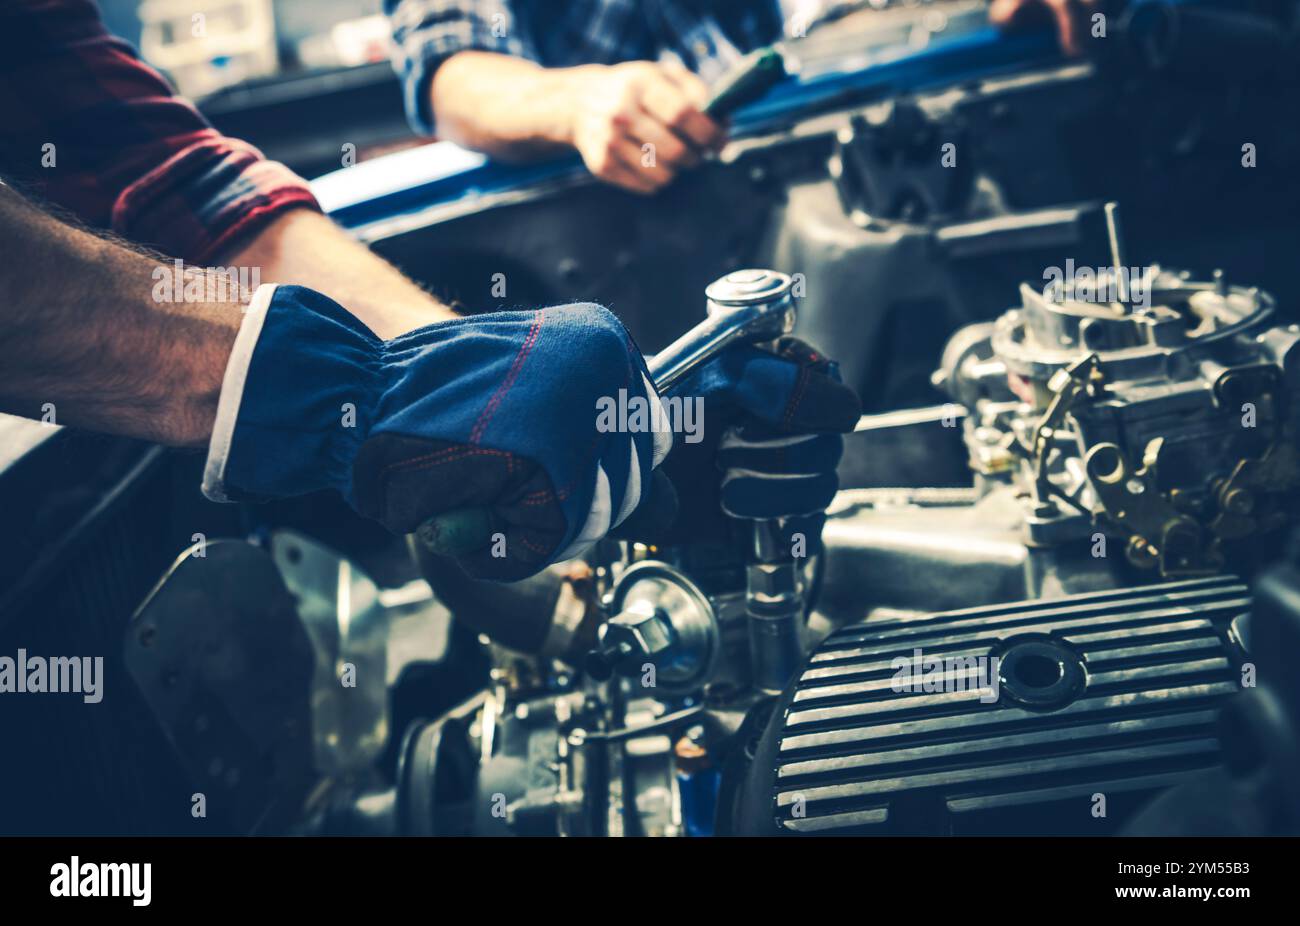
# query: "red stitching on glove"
438,458
450,454
804,374
485,417
540,551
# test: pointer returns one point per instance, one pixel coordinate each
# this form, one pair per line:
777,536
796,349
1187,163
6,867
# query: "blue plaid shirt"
706,36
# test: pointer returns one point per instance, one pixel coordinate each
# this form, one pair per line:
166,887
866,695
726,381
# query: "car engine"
1044,651
1058,591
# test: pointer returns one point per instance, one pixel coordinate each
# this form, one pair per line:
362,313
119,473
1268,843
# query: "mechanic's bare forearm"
83,335
306,248
507,107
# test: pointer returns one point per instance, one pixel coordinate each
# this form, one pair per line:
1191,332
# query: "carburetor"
1139,399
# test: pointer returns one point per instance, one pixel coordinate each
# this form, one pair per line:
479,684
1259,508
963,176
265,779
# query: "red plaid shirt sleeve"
93,129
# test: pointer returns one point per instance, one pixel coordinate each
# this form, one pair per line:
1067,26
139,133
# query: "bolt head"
644,629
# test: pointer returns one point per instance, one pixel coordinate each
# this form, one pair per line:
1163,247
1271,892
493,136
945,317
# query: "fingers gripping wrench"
752,306
744,307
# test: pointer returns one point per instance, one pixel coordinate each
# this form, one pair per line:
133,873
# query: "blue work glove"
772,425
494,411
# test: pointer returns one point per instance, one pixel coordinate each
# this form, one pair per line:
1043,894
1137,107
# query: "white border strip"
232,392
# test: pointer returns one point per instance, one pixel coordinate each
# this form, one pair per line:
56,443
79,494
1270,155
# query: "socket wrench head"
747,287
744,307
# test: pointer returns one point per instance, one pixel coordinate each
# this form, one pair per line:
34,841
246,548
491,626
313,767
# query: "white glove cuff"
232,392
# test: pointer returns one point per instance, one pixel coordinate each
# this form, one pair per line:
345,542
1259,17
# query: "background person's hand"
1071,17
638,124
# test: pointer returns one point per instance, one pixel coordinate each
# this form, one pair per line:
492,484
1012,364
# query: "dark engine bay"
1060,590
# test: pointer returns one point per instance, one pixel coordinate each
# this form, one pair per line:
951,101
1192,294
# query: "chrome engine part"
662,622
1121,427
1173,422
1053,717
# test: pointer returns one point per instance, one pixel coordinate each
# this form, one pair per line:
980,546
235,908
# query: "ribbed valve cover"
910,726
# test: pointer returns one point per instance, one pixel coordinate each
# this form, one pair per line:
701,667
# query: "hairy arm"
305,248
80,329
134,157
